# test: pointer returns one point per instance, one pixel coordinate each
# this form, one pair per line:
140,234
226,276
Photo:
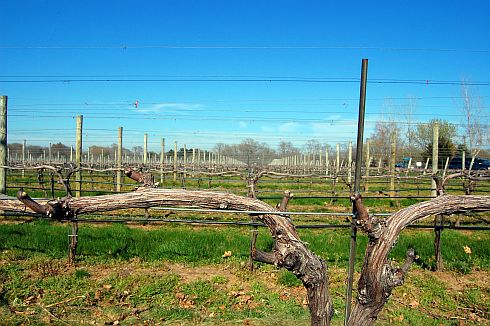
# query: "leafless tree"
475,128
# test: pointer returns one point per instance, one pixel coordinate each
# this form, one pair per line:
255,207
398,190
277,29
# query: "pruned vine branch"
379,276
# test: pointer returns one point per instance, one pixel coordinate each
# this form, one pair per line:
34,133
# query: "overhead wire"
237,47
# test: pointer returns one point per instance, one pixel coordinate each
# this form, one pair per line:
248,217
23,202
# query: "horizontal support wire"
256,212
301,226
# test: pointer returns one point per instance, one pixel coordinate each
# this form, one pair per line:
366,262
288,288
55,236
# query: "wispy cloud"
289,127
168,107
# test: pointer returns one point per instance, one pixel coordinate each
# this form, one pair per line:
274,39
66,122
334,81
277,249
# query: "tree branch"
285,200
146,179
378,275
54,209
264,257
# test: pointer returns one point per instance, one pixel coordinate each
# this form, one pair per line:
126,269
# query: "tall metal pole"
3,143
357,186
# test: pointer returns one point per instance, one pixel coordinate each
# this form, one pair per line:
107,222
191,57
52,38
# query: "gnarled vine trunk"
378,275
288,252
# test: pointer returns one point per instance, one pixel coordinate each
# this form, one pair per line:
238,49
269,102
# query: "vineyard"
224,163
168,234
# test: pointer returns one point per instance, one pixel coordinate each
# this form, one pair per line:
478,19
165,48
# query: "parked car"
403,164
478,164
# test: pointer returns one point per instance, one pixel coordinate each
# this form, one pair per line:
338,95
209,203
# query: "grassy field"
176,274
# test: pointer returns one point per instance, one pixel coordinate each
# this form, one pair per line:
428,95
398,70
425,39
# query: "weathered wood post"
198,160
145,149
349,172
320,157
184,166
392,164
438,219
435,157
24,143
175,161
119,159
193,159
327,162
463,161
162,162
445,167
78,158
3,144
337,163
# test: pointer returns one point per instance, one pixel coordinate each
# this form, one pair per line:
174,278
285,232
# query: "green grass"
205,245
139,287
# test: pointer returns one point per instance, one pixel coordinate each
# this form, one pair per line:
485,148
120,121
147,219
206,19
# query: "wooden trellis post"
3,144
119,159
145,149
73,237
162,162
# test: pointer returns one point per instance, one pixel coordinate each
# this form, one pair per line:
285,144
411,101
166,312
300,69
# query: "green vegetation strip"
127,275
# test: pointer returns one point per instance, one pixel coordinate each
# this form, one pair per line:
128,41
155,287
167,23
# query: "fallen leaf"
180,296
227,254
253,305
236,294
246,298
414,303
107,286
29,299
284,296
467,250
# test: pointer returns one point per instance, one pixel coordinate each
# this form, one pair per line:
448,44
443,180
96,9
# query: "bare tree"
286,148
384,132
475,129
410,127
312,146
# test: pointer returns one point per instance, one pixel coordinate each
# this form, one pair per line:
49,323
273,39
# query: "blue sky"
221,71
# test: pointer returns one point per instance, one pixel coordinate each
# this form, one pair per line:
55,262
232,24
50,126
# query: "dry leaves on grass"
185,301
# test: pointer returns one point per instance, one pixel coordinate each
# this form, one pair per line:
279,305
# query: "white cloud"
168,107
268,129
289,127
